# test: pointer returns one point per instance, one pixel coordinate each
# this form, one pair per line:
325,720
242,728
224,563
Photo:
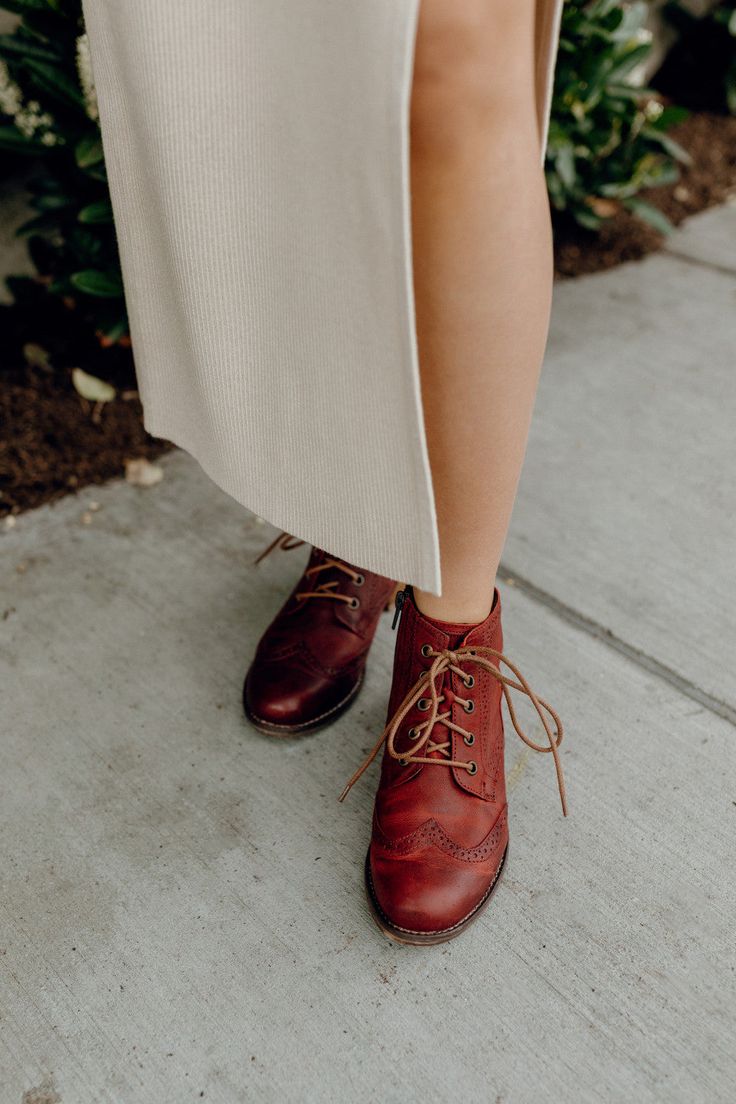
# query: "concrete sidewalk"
181,905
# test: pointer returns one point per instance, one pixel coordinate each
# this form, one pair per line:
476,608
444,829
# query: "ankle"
456,609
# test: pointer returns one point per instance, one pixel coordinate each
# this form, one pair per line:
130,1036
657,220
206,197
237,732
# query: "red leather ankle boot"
310,662
440,830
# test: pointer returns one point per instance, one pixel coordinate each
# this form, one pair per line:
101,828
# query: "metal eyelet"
354,603
403,762
469,739
469,682
469,706
424,704
426,649
413,734
471,767
359,581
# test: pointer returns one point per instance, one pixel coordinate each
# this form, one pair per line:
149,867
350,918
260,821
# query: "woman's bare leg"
483,276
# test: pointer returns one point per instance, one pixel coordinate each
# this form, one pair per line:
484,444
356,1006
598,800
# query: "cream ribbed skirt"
257,155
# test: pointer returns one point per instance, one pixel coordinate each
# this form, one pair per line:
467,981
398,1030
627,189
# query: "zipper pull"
399,602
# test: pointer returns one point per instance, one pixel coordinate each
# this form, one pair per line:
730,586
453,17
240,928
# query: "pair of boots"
440,829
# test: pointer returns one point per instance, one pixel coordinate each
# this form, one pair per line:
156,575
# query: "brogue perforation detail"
432,834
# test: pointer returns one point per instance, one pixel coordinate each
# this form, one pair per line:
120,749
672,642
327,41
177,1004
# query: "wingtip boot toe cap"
291,699
424,897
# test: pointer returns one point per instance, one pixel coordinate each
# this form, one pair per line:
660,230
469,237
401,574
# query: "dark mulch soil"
53,442
710,139
56,442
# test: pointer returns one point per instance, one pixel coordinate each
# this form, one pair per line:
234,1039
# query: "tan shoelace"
284,541
322,590
427,689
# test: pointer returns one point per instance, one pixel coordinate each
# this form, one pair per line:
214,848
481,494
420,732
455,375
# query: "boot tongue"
455,633
453,630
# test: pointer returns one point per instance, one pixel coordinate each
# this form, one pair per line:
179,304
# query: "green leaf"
615,190
46,26
630,61
117,330
101,211
106,285
12,44
88,151
673,148
587,219
22,7
565,164
44,223
55,81
12,139
52,201
650,214
627,91
665,173
45,185
87,247
670,117
97,172
602,8
633,19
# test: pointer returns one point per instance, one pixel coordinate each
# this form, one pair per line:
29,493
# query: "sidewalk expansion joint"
648,663
714,266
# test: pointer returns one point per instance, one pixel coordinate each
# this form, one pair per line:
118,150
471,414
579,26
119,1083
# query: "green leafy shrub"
50,110
607,141
608,138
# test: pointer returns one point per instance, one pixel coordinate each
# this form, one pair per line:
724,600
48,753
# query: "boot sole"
306,728
426,939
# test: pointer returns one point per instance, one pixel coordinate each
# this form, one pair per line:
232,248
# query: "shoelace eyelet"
413,734
354,603
469,739
469,706
403,762
426,649
470,682
447,660
359,581
424,704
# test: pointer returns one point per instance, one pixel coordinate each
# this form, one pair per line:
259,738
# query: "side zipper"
399,604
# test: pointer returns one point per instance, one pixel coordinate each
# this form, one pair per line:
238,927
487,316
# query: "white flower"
30,120
11,97
86,78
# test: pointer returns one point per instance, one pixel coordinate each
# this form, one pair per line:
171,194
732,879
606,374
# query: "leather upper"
440,832
313,653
